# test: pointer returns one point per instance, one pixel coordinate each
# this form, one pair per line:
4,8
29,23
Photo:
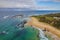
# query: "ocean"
26,13
9,29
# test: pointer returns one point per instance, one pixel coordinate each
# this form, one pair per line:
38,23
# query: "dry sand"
49,28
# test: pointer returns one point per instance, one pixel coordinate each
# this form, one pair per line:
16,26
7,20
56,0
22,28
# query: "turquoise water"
9,30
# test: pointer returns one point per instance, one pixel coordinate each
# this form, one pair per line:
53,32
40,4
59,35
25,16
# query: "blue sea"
9,29
13,11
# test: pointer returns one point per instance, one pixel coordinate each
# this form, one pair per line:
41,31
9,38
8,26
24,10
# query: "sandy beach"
55,33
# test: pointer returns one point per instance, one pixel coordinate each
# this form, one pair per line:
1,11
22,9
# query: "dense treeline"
52,19
53,15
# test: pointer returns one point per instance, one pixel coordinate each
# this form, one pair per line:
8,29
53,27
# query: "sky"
31,4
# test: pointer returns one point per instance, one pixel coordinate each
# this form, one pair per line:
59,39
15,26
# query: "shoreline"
38,24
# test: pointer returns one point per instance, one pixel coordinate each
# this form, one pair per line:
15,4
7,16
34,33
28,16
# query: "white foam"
41,34
5,17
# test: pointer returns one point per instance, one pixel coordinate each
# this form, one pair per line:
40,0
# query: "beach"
55,33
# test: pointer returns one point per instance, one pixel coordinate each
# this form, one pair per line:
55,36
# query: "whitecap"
5,17
41,34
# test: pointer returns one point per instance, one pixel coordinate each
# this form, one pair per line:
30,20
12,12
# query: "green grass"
49,18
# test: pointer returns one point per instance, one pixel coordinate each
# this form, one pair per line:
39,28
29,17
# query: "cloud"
31,4
45,8
56,0
17,4
48,0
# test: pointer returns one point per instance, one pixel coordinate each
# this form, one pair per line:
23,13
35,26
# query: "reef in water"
13,29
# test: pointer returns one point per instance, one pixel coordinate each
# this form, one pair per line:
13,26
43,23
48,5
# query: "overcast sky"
31,4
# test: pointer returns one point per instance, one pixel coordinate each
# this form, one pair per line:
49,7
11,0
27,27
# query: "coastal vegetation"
52,19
